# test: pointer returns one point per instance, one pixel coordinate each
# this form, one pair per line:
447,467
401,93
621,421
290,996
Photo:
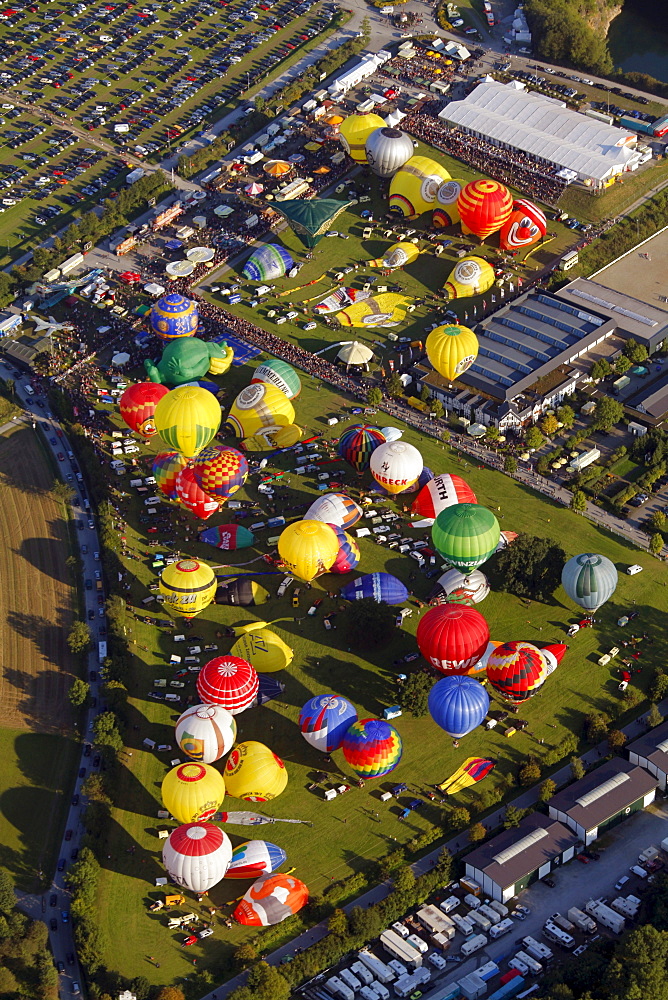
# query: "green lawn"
334,661
578,203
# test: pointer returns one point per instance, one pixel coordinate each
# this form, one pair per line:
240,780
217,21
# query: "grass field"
615,200
332,849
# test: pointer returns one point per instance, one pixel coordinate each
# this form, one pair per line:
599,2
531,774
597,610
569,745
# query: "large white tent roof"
545,128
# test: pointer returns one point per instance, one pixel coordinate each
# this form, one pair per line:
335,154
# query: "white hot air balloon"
396,465
196,856
334,508
391,433
387,149
206,732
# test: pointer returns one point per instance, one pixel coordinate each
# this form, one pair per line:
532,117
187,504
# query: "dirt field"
37,609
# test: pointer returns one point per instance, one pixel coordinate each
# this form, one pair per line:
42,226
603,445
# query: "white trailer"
532,964
360,970
410,983
479,919
350,979
503,927
490,913
338,989
382,972
500,908
463,924
398,948
626,907
473,944
582,920
537,949
605,915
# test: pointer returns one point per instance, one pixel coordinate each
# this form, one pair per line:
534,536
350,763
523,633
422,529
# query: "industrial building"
514,859
651,752
510,117
603,798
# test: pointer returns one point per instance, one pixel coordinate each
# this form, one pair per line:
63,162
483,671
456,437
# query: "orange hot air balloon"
484,206
138,405
525,226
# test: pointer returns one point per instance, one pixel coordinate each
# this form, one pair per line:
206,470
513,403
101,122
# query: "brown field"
38,605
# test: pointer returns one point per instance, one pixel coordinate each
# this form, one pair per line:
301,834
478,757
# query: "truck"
382,972
398,948
436,922
500,908
537,949
503,927
490,913
473,944
479,920
532,964
582,921
626,907
605,915
71,263
636,125
135,175
554,933
101,651
408,984
511,988
619,384
584,459
562,922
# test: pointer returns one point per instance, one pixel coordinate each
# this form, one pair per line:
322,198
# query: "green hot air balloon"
589,580
466,534
310,220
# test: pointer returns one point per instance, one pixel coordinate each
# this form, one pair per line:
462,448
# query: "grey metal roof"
653,746
515,853
582,802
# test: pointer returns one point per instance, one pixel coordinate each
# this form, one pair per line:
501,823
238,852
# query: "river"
638,43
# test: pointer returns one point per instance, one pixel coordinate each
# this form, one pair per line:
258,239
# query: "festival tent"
311,219
355,354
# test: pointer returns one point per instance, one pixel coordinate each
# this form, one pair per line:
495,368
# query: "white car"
292,314
283,586
309,326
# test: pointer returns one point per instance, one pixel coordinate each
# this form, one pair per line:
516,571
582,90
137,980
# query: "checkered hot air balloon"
137,406
357,444
372,747
516,670
174,316
220,471
166,468
228,681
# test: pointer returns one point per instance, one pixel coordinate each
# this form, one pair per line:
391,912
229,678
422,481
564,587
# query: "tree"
259,103
9,985
374,396
635,352
533,438
10,386
566,416
437,407
530,567
443,866
169,993
47,977
578,502
547,790
78,692
415,693
638,967
656,543
79,637
653,717
616,740
338,923
658,520
105,732
608,412
425,394
658,688
7,896
394,385
477,832
404,883
596,726
622,364
549,424
116,696
369,623
529,773
244,955
600,369
577,768
492,434
510,465
512,817
459,817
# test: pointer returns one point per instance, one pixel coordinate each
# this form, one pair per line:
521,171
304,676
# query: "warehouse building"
603,799
509,117
514,859
651,752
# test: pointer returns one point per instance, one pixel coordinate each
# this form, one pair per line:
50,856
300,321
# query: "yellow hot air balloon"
187,419
446,212
308,548
270,440
265,650
470,276
260,407
193,792
253,772
451,350
355,131
415,186
188,587
398,255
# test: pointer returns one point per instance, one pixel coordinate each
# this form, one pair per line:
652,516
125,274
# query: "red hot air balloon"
228,681
452,637
525,226
441,492
138,405
516,670
193,496
484,206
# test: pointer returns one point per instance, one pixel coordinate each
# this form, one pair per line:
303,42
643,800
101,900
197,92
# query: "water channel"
638,43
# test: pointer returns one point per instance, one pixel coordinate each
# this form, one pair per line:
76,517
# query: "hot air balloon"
260,407
271,899
354,132
254,773
242,592
166,468
192,496
254,858
441,492
264,649
348,556
460,588
525,226
187,419
220,471
383,587
414,187
357,444
228,681
452,637
138,404
268,263
334,508
324,721
308,548
193,792
398,255
484,206
451,350
188,587
310,219
206,732
372,747
516,670
458,705
466,535
384,309
396,465
279,374
554,654
391,433
470,276
174,316
589,580
196,856
228,537
387,149
273,439
446,212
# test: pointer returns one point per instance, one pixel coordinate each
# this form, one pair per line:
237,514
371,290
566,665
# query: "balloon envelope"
348,556
228,681
311,218
387,149
445,211
470,276
264,649
279,374
308,548
258,407
414,187
372,748
188,587
383,587
357,444
187,419
271,899
137,406
458,705
241,592
206,732
452,637
525,226
355,131
193,792
227,537
174,316
267,263
396,465
192,496
324,721
254,773
451,350
254,858
196,856
460,588
220,471
516,670
466,535
484,206
334,508
441,492
589,580
166,467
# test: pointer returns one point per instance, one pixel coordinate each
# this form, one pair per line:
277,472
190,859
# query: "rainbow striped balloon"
372,747
166,468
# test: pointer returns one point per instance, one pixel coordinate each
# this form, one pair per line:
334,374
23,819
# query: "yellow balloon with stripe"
260,407
414,187
265,650
187,419
355,131
188,587
446,212
470,276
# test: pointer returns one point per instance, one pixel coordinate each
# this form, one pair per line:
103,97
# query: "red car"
191,939
61,457
583,858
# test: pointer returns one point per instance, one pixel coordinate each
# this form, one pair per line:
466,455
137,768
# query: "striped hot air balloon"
484,206
254,858
516,670
357,444
372,748
228,681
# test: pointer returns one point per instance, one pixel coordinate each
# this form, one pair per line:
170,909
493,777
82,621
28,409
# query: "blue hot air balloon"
267,263
174,316
458,704
383,587
325,720
255,858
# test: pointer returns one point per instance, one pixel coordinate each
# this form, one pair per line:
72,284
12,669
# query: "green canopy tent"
310,220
